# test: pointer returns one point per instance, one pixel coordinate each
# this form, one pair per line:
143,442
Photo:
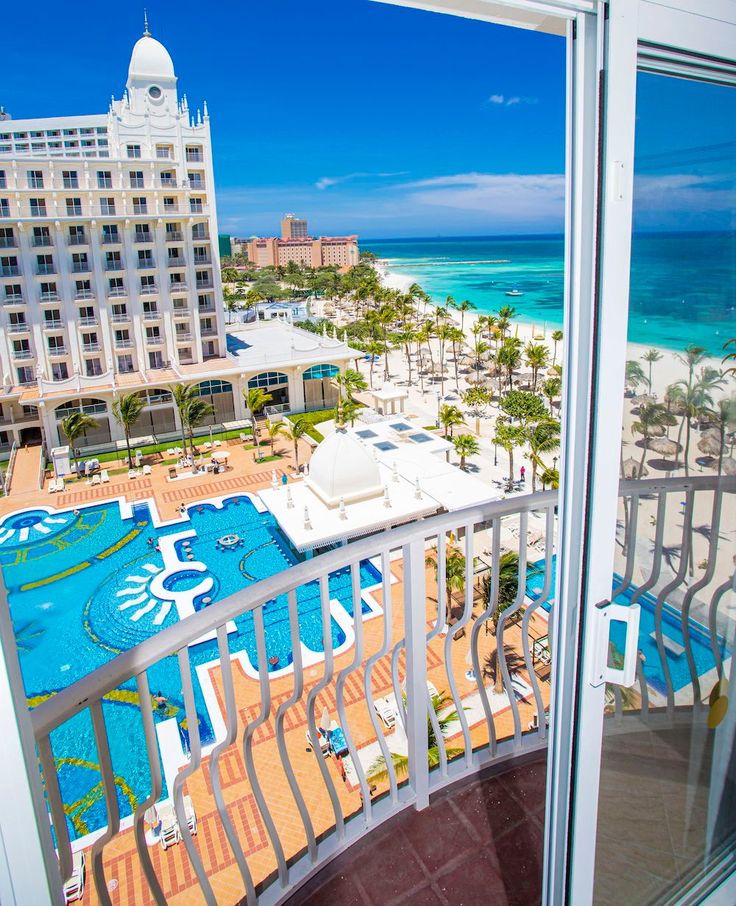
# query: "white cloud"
324,182
501,100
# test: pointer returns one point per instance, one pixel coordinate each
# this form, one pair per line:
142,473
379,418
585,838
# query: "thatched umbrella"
665,446
711,432
656,431
710,445
644,400
632,468
728,466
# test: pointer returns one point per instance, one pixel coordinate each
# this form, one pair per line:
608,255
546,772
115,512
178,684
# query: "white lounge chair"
146,470
96,479
207,444
217,443
59,485
52,486
132,473
243,436
386,711
170,833
74,887
191,814
324,744
104,476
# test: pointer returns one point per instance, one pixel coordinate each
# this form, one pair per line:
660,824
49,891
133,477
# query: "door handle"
604,613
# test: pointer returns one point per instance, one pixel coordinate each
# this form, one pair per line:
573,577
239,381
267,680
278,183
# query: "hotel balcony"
81,295
154,341
143,238
10,270
206,309
49,296
114,266
52,324
41,241
22,355
8,242
123,344
13,299
81,267
208,332
56,352
115,292
45,270
205,284
78,240
145,264
174,236
152,315
18,328
178,287
140,208
87,322
194,157
167,182
90,347
181,311
207,259
150,289
120,319
111,239
176,262
282,809
183,337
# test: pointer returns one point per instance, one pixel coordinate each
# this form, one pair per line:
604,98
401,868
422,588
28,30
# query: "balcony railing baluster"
110,792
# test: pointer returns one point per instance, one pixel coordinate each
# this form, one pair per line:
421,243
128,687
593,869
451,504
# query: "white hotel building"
109,271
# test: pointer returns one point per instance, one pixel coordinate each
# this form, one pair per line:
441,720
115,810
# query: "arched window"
209,388
90,406
100,433
158,415
320,371
220,395
155,396
268,379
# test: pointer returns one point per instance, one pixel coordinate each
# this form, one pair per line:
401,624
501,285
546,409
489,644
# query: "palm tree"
542,437
378,771
450,417
197,411
183,394
492,667
508,437
556,337
725,418
295,430
477,399
466,445
372,348
695,397
551,390
255,399
634,375
275,429
651,415
455,335
454,575
73,426
509,358
462,307
508,585
126,411
537,356
730,356
651,356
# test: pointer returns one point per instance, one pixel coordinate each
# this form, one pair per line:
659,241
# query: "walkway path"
25,470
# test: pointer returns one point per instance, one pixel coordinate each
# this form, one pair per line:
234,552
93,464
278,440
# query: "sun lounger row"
132,473
170,832
56,485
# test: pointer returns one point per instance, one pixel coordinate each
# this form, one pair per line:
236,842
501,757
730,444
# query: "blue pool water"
671,629
64,591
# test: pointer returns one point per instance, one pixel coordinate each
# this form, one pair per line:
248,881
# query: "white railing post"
415,619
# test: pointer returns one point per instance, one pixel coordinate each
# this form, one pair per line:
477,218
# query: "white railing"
8,477
413,639
41,469
422,634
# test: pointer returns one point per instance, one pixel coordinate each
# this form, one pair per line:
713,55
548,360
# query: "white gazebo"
388,397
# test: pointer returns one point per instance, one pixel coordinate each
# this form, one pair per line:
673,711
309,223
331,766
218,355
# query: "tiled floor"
477,843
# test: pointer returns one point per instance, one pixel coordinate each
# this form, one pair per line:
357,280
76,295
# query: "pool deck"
173,867
243,473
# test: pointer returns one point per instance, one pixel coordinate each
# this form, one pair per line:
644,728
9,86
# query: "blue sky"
362,117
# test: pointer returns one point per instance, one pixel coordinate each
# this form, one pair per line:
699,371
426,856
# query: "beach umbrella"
710,445
728,466
632,468
221,455
644,400
711,432
665,446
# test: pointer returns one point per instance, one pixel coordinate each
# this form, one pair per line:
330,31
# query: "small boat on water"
514,292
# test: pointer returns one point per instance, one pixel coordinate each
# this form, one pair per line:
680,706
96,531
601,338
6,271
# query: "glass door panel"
667,797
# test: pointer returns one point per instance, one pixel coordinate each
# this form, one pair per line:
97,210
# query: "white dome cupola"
151,81
342,468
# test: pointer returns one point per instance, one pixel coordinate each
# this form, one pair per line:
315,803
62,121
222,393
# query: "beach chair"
217,443
170,833
243,437
59,485
324,744
74,887
132,473
96,479
207,444
385,710
52,486
191,815
171,452
104,476
146,470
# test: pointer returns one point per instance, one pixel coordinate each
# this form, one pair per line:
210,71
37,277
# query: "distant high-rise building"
293,227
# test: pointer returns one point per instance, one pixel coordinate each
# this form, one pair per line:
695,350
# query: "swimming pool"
671,630
96,584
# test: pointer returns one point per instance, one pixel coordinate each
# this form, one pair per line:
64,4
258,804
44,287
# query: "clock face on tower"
155,93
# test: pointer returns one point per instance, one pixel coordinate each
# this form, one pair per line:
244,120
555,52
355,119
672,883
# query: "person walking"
522,472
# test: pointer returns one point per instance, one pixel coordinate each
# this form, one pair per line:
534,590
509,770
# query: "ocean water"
683,285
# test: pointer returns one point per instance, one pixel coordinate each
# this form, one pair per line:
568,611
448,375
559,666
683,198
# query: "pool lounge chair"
132,473
386,711
104,476
74,887
324,744
52,486
170,833
191,815
146,470
96,479
59,485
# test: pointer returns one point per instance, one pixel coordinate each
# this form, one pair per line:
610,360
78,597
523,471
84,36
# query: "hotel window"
150,308
143,233
93,367
193,153
86,313
35,179
41,237
145,259
51,317
107,206
38,207
80,263
200,255
136,179
53,132
13,291
25,375
110,234
104,179
119,312
4,207
195,180
125,364
72,145
83,289
148,285
56,345
7,238
59,371
70,179
173,232
185,354
70,132
74,207
77,235
140,205
174,255
48,292
3,181
195,205
17,319
89,342
122,338
176,280
134,150
116,286
101,130
113,261
45,264
164,152
199,231
155,359
21,348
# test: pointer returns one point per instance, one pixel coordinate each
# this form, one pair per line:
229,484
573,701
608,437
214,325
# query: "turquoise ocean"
683,285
